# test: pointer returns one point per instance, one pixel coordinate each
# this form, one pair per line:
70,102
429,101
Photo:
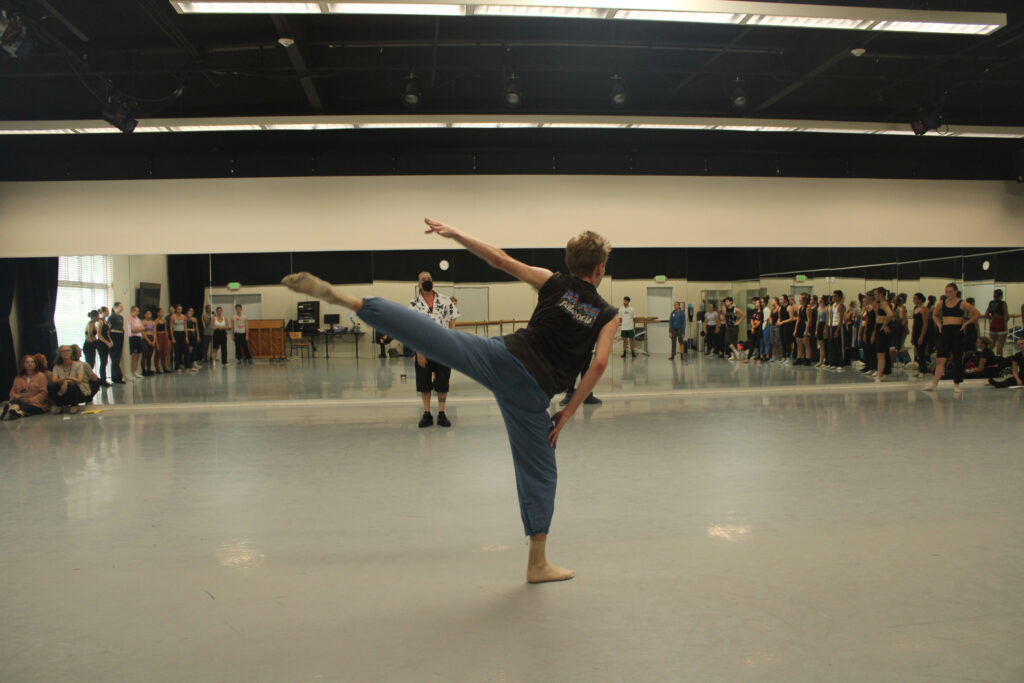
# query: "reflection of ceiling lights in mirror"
724,125
736,12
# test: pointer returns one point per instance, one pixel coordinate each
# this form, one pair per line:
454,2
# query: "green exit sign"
234,286
801,278
660,278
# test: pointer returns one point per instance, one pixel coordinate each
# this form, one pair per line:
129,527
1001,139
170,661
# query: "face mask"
427,285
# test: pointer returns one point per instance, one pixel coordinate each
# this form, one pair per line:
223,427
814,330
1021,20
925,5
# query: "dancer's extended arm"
601,352
495,257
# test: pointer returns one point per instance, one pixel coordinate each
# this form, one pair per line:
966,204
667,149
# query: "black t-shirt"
561,332
1018,358
116,322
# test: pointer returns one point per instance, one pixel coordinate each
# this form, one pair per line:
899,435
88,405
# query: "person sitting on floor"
69,387
90,375
985,365
28,395
1016,370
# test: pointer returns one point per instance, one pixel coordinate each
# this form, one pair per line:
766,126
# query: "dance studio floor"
803,531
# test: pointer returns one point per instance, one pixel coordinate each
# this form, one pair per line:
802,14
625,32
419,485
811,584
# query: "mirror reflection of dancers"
952,316
882,334
523,369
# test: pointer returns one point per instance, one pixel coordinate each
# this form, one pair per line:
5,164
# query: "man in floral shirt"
431,375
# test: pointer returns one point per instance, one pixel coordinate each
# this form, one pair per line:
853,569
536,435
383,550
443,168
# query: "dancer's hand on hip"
440,228
559,419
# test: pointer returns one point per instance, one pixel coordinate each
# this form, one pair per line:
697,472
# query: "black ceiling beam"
52,11
298,60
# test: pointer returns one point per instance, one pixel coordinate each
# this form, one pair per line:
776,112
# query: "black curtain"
8,359
37,299
188,276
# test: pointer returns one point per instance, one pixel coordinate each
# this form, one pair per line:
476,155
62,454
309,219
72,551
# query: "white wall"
343,213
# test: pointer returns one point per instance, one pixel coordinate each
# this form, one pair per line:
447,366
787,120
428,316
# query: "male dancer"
430,374
524,369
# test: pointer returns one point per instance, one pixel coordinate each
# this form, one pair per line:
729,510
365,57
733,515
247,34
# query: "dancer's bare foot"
548,572
537,568
311,285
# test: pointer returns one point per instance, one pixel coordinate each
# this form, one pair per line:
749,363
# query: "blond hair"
585,252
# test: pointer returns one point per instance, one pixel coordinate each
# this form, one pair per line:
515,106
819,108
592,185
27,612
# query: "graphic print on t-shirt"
581,312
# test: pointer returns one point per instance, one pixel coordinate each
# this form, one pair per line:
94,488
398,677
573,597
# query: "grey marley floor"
778,530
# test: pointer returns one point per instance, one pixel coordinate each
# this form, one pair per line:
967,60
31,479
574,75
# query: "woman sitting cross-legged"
28,393
69,387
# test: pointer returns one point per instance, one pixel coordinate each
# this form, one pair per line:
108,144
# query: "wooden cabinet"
266,339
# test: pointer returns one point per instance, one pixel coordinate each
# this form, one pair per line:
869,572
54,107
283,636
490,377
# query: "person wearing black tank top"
881,336
952,317
919,333
524,369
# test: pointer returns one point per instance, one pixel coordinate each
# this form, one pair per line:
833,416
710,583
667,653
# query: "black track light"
117,114
14,36
513,92
411,94
617,96
926,121
739,95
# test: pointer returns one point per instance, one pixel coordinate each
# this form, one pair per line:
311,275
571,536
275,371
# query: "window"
84,283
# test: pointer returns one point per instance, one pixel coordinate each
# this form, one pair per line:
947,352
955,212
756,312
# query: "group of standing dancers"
159,344
871,333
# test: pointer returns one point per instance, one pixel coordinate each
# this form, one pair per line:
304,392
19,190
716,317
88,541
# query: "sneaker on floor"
930,387
442,420
252,362
7,407
592,400
74,410
633,353
565,400
427,420
238,362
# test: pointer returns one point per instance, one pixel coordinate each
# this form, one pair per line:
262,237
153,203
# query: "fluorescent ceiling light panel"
693,17
699,11
395,8
809,22
671,126
247,7
39,131
210,128
533,11
759,129
308,126
935,27
411,124
492,124
108,129
585,125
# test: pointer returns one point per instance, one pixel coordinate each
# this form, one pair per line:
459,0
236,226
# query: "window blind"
84,283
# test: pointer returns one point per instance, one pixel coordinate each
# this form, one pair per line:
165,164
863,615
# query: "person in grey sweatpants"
523,370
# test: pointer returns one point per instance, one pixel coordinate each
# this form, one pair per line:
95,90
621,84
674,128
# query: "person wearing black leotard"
952,317
800,332
787,328
919,332
882,334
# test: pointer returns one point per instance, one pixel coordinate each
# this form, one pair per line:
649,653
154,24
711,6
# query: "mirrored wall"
492,303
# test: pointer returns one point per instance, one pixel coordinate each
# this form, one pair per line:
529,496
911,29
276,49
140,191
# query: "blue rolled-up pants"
523,404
